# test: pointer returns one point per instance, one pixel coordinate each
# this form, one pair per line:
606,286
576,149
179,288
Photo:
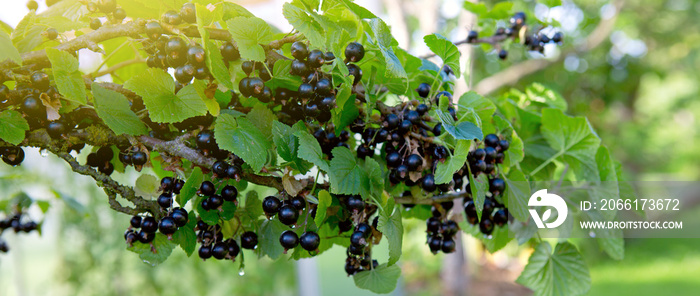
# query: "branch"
114,68
514,73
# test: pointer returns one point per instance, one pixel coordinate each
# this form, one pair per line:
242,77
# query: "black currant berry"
356,72
32,5
51,33
204,252
491,140
219,250
310,241
437,129
95,24
167,184
299,68
440,152
178,186
486,226
195,55
249,240
354,52
472,36
558,37
422,109
357,238
489,205
497,186
392,121
448,245
180,216
289,239
316,59
40,81
188,13
364,151
423,90
305,91
131,236
518,19
288,215
405,126
435,244
413,162
364,228
470,210
298,202
229,52
153,30
500,217
233,248
324,87
413,116
184,73
271,205
490,154
299,51
146,237
402,172
119,14
428,183
503,145
55,129
207,188
167,226
149,224
135,221
393,159
165,200
355,203
215,201
449,228
502,54
433,224
139,158
229,193
247,67
219,168
171,17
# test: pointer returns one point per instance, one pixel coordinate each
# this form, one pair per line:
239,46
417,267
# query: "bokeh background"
629,66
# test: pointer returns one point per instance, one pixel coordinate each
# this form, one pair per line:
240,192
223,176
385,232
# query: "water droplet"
44,152
241,272
489,236
591,234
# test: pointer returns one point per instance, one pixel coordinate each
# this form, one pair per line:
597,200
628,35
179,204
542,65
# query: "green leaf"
446,50
243,138
269,237
147,186
560,273
573,138
211,217
460,131
305,24
113,108
186,237
445,170
324,200
384,41
163,248
382,279
13,127
515,152
471,102
214,60
551,3
262,118
68,79
517,195
346,175
476,8
189,189
7,50
541,95
157,88
391,226
288,144
249,33
281,76
498,239
375,176
343,115
310,150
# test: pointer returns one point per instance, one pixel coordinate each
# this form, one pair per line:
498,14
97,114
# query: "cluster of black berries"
213,244
411,162
288,212
15,222
484,160
174,218
315,97
254,86
441,231
359,253
133,156
109,7
328,140
214,201
187,60
12,155
534,42
102,160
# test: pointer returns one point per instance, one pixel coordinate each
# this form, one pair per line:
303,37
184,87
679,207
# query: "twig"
116,67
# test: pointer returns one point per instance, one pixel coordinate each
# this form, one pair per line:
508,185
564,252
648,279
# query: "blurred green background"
639,89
